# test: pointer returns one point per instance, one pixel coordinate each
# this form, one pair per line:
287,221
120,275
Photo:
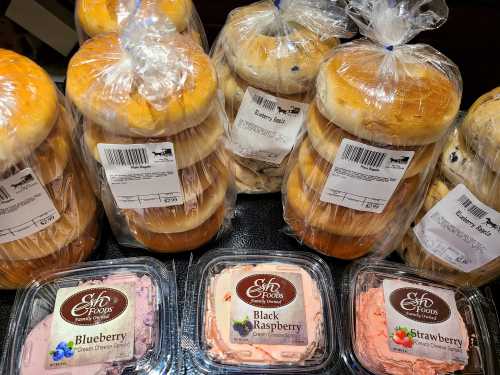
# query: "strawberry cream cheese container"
402,321
251,312
97,318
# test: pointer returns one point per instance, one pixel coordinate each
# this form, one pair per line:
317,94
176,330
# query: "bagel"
250,181
267,58
460,165
105,85
184,241
181,218
101,16
481,128
415,105
341,220
190,145
28,107
341,247
327,137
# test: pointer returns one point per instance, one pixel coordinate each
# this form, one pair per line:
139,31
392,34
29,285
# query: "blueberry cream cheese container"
97,318
402,321
260,312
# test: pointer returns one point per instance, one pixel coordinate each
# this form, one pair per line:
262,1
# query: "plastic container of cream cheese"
251,312
98,318
401,321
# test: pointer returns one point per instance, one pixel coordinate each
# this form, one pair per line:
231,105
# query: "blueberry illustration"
68,353
62,345
58,355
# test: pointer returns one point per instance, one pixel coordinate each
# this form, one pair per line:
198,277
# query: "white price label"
142,175
365,177
266,126
461,231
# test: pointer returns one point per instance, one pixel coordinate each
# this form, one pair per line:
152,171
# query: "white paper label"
424,321
268,309
142,175
364,177
92,324
25,206
461,231
266,126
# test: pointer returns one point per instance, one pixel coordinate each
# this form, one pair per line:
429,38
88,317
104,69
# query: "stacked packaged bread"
94,17
374,132
48,212
152,132
267,57
457,231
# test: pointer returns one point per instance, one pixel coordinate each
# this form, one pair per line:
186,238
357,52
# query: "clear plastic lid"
104,317
403,321
260,312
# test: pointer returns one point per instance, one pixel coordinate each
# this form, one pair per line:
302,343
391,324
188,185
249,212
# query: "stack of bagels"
258,48
187,114
470,157
36,132
411,109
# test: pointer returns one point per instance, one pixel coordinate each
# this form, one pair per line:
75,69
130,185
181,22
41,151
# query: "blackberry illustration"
243,327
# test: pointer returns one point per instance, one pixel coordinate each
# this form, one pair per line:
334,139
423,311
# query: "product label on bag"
461,231
365,177
268,308
92,324
25,206
266,126
142,175
424,321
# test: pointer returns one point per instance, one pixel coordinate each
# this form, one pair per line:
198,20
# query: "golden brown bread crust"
326,138
341,220
417,109
184,241
95,83
28,107
481,128
254,56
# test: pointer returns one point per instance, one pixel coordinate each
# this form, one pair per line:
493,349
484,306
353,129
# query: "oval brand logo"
266,291
93,306
420,305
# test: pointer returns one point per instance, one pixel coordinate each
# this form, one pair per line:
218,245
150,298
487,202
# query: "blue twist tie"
389,48
277,3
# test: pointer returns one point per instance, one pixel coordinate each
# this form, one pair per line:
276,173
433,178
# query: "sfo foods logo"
266,291
93,306
420,305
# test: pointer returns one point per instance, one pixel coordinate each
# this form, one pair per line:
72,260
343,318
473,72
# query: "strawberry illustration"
402,336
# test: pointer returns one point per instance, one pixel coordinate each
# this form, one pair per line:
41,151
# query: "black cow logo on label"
401,160
165,152
23,181
490,223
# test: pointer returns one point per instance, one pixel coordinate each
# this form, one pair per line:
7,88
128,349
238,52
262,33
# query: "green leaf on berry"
51,352
71,344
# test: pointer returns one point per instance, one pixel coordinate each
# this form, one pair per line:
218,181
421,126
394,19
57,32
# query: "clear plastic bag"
94,17
267,57
457,231
359,173
48,213
152,134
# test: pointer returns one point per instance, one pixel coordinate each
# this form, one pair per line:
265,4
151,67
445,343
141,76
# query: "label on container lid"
25,206
461,231
365,177
424,321
92,324
266,126
142,175
268,308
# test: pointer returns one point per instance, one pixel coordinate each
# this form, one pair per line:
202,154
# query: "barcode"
265,103
471,207
4,195
363,156
131,156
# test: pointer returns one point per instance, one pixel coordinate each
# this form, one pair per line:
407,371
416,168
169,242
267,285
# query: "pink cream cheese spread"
372,347
219,322
36,346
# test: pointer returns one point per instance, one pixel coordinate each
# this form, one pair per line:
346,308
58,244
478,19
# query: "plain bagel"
417,109
253,52
326,138
96,79
28,107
